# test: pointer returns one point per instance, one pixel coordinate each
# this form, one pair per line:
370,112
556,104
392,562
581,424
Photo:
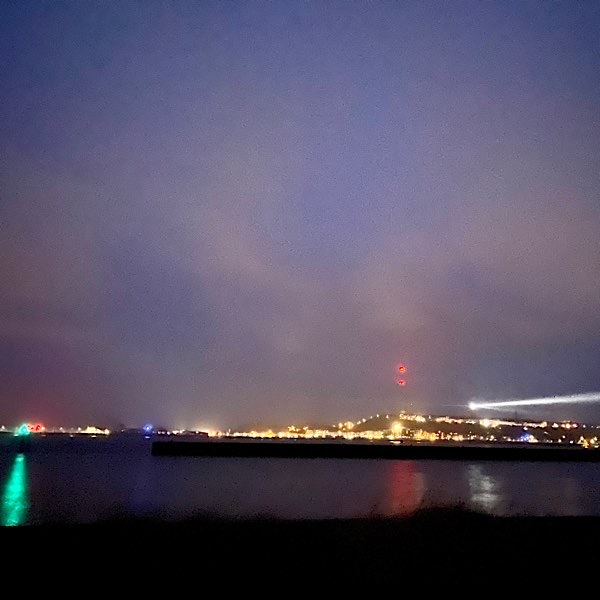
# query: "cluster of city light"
457,420
29,428
401,426
408,426
26,429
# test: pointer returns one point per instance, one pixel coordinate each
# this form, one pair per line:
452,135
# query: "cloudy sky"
217,213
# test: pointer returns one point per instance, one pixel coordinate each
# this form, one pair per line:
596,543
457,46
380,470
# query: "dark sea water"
63,479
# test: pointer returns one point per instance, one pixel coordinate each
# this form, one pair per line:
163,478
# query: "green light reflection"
14,503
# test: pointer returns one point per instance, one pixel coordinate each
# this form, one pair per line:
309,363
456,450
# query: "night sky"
220,213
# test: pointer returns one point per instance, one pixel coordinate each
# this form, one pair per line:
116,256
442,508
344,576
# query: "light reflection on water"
484,489
86,480
406,488
14,502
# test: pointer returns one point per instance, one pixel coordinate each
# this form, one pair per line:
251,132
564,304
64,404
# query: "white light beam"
571,399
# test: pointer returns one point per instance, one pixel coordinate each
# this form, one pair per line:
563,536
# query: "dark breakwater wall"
310,449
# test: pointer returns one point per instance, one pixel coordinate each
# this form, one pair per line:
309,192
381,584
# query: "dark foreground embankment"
378,450
449,546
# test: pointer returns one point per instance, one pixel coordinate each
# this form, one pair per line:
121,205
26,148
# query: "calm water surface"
83,480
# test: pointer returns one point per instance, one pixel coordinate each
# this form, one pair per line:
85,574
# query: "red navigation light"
401,382
401,368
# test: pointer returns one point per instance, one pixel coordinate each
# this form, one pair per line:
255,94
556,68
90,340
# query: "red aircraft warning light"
401,368
401,382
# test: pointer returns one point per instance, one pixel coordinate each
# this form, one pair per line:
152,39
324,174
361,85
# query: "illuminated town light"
23,430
